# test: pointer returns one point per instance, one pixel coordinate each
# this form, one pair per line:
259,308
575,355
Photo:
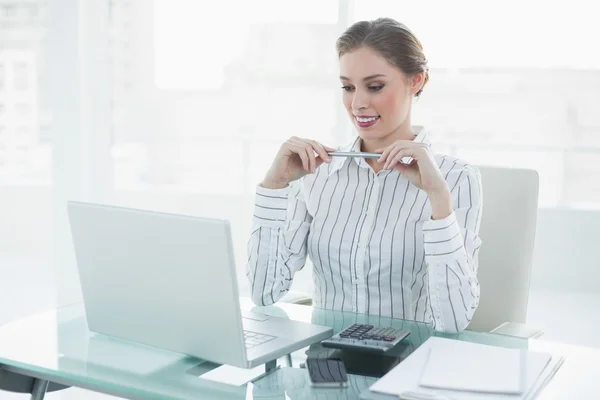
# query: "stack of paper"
468,371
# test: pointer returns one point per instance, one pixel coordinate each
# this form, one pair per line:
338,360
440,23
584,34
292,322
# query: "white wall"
567,256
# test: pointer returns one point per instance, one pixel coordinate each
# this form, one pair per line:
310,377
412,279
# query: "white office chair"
510,203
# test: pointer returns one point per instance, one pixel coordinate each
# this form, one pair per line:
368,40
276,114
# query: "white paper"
233,375
406,376
476,368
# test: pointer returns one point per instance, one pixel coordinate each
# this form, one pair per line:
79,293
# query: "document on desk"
468,371
479,368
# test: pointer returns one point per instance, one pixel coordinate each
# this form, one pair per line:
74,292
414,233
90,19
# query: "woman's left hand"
422,171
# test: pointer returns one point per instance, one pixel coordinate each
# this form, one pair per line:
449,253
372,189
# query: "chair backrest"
508,222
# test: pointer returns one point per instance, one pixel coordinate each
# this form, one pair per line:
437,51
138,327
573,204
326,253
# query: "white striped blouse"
372,242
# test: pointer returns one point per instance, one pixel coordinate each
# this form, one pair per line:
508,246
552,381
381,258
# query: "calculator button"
377,337
389,338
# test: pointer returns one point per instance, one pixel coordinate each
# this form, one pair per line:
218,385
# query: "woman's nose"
359,101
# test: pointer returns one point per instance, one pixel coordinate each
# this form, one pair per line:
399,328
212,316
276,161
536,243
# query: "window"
28,229
33,10
21,76
506,96
23,132
23,109
270,75
202,119
9,10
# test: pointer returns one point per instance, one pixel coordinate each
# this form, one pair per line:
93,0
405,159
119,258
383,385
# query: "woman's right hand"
295,158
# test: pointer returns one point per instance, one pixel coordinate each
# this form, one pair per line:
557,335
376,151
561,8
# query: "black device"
369,338
327,372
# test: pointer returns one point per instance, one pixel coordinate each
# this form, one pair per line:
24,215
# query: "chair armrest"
519,330
297,297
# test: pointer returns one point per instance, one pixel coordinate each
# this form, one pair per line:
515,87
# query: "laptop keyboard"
252,339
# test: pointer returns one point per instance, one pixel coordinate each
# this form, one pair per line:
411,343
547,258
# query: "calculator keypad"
367,337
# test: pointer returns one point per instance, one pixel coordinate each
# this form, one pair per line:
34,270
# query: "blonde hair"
393,40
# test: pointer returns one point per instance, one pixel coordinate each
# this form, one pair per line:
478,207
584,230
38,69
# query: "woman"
385,237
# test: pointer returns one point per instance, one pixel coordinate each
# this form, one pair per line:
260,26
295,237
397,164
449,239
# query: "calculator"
367,338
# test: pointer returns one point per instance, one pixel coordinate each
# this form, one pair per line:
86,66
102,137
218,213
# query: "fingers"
297,147
402,168
398,157
391,152
384,155
306,149
301,151
319,149
311,158
395,159
388,153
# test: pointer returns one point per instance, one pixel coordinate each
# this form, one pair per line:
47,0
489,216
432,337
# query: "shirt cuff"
270,205
443,239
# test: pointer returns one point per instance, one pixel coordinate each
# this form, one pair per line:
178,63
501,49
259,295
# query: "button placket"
364,242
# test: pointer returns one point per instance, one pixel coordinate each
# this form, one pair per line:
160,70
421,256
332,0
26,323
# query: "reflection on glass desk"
56,346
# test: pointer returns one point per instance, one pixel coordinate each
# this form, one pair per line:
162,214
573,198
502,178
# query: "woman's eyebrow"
367,78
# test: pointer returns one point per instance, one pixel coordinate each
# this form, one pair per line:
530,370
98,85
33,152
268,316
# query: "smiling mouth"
366,122
366,119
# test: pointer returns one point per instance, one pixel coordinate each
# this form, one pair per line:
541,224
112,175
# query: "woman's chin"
370,134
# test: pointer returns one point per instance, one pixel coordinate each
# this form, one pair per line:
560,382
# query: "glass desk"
56,346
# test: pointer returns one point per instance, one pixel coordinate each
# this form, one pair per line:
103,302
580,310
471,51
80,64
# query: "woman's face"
376,94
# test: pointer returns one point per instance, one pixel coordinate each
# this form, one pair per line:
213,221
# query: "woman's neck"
403,132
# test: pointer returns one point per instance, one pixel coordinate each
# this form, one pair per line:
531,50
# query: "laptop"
169,281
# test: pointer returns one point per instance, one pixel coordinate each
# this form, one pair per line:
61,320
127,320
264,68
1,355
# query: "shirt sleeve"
451,250
277,247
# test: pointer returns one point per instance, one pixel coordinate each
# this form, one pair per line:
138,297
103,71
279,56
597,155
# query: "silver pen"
405,160
353,154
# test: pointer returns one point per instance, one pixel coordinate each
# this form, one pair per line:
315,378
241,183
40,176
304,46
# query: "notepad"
452,357
471,367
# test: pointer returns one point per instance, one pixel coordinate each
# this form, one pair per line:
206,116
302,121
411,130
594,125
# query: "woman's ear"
417,82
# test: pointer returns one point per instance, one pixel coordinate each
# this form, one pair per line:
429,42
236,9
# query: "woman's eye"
347,88
376,88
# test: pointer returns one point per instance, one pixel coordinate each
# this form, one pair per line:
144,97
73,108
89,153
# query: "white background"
180,105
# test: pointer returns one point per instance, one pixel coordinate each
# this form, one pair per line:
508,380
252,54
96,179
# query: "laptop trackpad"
254,316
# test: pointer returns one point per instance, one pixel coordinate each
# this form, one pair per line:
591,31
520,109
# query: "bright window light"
186,60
